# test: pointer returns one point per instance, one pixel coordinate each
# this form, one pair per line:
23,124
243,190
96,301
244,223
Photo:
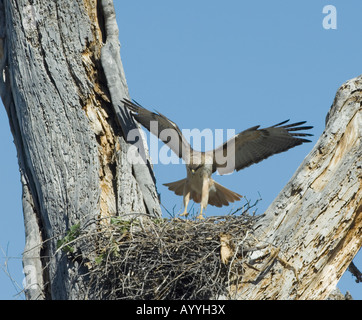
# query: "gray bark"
61,83
314,225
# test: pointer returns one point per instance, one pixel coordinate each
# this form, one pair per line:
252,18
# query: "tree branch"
117,85
355,272
316,219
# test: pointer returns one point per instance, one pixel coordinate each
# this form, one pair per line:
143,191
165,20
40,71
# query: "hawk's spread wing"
166,130
254,145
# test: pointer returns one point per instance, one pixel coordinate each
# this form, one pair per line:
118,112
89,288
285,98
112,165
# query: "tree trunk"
314,226
61,83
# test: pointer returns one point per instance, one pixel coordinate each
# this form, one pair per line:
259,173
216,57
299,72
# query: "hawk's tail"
222,196
177,186
218,196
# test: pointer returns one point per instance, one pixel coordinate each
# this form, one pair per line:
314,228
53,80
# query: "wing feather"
254,145
166,130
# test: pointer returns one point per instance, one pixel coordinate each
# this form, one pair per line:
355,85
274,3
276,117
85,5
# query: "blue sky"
218,65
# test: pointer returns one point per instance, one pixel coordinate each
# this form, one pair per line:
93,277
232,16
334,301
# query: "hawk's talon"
184,214
200,216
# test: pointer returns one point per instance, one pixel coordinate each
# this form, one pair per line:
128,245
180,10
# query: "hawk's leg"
186,201
204,197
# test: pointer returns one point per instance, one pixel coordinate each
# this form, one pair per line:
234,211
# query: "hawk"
244,149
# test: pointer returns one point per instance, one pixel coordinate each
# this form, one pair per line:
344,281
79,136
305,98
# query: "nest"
145,258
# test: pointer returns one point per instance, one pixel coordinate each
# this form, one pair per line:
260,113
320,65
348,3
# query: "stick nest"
145,258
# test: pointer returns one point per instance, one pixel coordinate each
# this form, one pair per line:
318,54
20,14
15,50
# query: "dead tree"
315,223
62,83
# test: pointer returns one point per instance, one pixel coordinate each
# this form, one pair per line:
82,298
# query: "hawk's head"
194,168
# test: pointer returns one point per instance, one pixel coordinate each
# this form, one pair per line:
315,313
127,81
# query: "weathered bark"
61,83
315,222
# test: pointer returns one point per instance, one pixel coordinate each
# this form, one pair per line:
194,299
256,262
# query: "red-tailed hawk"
244,149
